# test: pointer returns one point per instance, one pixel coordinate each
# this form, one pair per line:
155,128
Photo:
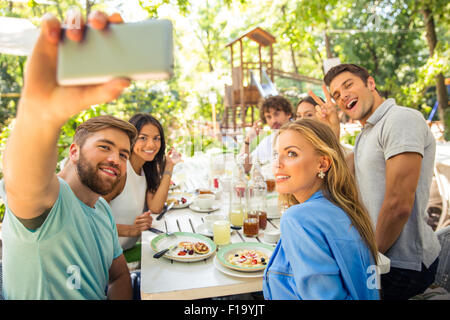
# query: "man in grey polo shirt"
393,165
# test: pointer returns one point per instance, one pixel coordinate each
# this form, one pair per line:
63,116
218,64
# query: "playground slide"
266,87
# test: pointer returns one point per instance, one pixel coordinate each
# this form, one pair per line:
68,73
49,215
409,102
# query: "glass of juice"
221,231
236,217
262,215
270,184
251,227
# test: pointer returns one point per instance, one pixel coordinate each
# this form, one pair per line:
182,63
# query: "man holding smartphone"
59,237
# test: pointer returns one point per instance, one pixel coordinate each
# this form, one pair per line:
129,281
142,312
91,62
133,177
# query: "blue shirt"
319,256
67,257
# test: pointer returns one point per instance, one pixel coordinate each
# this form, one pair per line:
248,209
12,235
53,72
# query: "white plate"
235,273
193,207
163,241
203,231
231,249
273,216
178,196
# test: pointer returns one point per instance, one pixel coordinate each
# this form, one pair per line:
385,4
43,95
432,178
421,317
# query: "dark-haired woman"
313,107
149,172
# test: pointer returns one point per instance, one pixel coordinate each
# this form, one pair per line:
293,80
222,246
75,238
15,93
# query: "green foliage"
415,94
2,210
447,124
350,138
11,75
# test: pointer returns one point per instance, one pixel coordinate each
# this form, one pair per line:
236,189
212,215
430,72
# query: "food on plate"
177,202
248,258
186,245
189,248
201,248
205,191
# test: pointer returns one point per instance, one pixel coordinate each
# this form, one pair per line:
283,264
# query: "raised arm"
326,112
30,156
251,134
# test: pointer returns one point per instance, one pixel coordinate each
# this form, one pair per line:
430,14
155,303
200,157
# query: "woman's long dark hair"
152,169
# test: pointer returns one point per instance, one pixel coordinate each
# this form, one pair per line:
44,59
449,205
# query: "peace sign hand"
254,131
326,111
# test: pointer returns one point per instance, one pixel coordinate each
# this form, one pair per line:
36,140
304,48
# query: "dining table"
166,279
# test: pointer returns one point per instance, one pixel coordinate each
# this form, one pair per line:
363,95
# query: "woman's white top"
130,203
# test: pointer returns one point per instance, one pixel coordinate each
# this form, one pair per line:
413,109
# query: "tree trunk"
328,46
441,90
294,63
89,5
58,8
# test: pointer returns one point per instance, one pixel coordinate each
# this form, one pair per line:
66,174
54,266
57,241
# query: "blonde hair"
339,185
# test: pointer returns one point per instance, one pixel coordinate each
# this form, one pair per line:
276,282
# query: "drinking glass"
221,231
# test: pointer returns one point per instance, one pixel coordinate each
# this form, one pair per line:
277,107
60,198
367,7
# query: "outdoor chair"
442,174
440,289
443,271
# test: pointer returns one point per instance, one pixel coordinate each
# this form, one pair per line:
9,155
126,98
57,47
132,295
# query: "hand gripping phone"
138,51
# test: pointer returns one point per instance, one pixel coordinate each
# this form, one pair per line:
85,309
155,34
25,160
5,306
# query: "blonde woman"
327,248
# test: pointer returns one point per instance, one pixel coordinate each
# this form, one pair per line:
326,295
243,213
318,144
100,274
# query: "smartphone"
139,51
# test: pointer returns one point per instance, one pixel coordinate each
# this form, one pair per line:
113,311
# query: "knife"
155,230
163,252
164,211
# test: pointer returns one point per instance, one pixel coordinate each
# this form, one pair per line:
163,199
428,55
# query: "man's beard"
89,176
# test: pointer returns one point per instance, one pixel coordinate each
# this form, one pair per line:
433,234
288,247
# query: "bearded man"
59,237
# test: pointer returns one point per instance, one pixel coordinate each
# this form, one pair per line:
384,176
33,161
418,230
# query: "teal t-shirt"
67,257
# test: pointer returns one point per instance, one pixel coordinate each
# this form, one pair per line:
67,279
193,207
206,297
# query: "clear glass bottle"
257,192
238,195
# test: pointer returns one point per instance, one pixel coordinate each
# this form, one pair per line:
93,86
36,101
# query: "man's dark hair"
278,103
352,68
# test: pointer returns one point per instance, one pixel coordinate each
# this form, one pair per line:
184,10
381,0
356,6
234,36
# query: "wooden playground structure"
248,88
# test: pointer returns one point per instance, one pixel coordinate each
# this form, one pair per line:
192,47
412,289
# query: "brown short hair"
87,128
278,103
359,71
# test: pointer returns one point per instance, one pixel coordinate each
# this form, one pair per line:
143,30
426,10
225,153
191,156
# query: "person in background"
327,248
147,182
393,163
274,111
59,237
309,108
